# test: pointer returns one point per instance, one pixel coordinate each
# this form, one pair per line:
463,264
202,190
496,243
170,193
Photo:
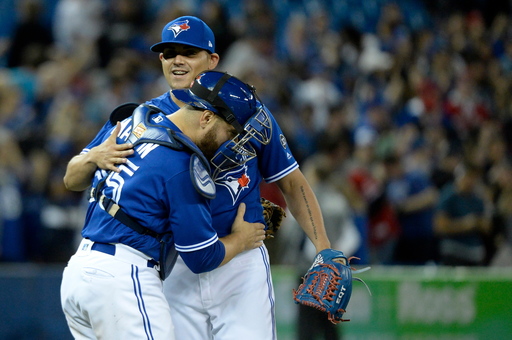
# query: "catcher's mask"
236,102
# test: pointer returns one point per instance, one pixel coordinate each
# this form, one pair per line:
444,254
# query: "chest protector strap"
144,131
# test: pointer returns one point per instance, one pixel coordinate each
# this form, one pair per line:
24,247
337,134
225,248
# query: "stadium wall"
406,303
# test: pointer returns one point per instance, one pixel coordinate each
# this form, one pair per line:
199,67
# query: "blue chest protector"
144,131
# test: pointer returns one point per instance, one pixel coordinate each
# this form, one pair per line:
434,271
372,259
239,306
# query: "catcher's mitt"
327,285
273,215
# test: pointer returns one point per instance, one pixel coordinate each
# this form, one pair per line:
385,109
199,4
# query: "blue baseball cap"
187,30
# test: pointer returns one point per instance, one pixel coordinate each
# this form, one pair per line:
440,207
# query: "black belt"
110,249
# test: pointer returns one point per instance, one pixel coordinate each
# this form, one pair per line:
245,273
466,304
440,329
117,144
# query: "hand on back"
109,154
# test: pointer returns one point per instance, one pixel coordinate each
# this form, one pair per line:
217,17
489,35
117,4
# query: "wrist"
90,157
322,246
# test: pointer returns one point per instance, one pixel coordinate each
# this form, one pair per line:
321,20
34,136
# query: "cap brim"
187,97
159,47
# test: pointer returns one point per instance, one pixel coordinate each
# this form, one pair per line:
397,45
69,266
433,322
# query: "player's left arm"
303,204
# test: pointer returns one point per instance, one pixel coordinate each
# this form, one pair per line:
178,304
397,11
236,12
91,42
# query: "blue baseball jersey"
155,188
242,184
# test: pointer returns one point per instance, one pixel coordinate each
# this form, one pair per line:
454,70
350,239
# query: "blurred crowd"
399,113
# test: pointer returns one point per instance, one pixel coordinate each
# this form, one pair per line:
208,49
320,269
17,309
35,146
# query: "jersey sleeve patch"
201,178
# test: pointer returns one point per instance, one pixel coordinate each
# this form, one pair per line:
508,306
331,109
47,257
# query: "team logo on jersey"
235,181
179,27
157,119
282,138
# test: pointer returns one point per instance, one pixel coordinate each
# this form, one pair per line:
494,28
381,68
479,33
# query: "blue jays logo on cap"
178,27
187,30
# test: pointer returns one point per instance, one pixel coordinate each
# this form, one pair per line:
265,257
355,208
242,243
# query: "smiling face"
182,63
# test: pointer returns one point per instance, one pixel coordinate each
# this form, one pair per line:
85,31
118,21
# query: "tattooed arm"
304,206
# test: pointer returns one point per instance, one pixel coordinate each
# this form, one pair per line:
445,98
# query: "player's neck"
176,101
182,120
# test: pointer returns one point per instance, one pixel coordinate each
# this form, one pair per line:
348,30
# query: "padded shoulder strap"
200,176
145,131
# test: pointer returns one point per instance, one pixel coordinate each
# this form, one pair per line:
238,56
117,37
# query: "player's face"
181,64
219,133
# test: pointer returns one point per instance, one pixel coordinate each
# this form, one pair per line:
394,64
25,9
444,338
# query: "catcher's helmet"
236,102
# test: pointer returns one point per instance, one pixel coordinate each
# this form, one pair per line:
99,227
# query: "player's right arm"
106,156
191,221
244,236
304,206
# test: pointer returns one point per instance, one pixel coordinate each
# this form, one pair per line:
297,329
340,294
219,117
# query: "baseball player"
235,301
153,205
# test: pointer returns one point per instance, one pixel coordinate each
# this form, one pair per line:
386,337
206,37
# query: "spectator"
502,221
413,198
215,15
12,247
78,25
462,219
382,65
32,40
380,222
443,171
